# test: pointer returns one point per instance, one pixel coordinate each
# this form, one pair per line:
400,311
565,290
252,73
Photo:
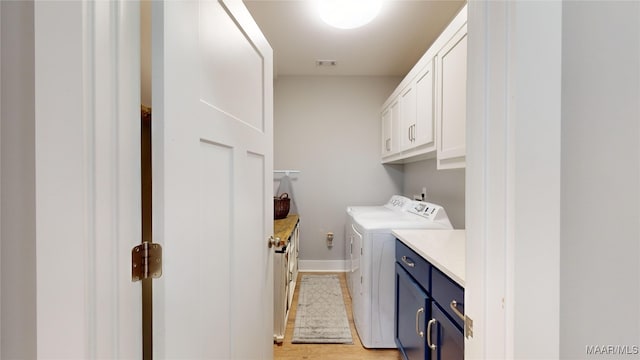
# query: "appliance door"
356,266
348,245
358,301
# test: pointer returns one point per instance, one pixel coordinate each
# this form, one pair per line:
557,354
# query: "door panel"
212,96
215,223
412,314
450,339
232,68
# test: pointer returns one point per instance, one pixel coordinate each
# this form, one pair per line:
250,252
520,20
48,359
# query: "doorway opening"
146,169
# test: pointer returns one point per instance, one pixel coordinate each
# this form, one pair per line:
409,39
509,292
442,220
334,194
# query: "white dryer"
372,255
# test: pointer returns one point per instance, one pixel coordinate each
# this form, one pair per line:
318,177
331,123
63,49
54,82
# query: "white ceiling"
388,46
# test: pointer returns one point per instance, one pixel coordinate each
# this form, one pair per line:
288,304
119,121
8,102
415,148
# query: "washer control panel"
425,209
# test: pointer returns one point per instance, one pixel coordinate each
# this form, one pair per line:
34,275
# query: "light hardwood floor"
287,350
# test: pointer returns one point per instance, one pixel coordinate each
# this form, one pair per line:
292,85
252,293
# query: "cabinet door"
447,337
424,130
408,117
412,310
452,101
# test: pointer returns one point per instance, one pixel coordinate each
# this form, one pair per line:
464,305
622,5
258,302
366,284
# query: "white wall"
18,237
329,129
444,187
600,250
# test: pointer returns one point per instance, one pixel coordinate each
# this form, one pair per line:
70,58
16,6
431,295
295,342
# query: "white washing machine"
372,255
397,203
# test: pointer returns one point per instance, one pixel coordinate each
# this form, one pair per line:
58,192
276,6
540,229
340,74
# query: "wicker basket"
281,206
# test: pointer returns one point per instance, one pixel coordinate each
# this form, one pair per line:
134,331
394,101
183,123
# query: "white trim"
322,265
0,178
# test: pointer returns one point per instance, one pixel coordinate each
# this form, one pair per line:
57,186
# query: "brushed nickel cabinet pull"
420,333
454,307
408,261
431,345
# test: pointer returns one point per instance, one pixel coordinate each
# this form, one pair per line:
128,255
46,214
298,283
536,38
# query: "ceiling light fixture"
348,14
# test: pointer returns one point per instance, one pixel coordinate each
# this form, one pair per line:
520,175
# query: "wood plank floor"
287,350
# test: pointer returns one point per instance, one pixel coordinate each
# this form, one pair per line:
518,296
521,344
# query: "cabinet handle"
429,343
420,333
408,261
413,132
387,144
454,307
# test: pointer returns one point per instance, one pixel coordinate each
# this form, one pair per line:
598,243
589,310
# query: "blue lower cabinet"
412,311
447,338
426,327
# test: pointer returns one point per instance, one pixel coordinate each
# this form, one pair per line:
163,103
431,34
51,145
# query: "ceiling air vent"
326,63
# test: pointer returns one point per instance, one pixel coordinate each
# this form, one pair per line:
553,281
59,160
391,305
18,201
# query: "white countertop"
444,249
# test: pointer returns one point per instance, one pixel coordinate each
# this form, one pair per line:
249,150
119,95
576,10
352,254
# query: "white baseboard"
322,265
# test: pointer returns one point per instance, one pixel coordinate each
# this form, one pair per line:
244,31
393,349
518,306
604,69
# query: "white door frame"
513,151
87,105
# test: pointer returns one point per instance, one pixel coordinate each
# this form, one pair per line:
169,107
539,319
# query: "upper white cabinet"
452,101
424,129
407,103
425,116
390,129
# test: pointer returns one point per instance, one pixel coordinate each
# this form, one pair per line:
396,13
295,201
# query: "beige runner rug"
321,316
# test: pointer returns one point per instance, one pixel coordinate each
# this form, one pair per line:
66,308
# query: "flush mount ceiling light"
348,14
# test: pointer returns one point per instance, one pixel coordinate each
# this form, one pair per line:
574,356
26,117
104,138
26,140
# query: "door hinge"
468,327
146,261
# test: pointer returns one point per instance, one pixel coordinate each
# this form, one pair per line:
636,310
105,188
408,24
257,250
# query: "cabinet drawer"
415,265
444,291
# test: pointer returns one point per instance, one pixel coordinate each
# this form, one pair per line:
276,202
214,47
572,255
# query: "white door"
212,181
85,135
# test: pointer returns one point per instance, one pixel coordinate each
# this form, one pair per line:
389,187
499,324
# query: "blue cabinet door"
413,310
447,337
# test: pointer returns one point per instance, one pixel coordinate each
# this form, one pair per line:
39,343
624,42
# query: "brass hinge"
468,327
146,261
